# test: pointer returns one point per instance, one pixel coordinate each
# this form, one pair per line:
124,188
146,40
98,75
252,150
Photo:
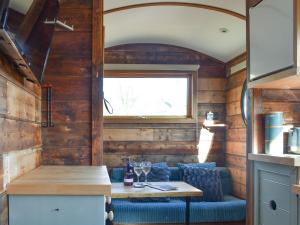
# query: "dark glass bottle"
128,173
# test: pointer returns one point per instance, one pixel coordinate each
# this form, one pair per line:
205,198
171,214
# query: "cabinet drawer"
273,217
274,203
58,210
275,187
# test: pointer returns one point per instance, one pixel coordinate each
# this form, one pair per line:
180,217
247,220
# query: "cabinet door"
274,203
271,27
58,210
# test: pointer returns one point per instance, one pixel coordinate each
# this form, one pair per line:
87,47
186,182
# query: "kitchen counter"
63,180
284,159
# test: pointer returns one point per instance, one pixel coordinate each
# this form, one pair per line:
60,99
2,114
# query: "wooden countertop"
63,180
184,190
296,189
284,159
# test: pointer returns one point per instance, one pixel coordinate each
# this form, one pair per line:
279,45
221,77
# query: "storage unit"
59,195
273,46
274,203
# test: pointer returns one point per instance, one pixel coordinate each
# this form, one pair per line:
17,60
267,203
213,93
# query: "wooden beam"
97,82
184,4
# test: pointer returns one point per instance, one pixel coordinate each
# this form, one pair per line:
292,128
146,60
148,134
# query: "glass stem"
138,177
146,178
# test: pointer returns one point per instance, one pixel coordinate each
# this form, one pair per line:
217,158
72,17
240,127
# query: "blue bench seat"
133,212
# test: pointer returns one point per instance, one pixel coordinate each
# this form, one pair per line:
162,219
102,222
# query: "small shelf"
287,79
284,159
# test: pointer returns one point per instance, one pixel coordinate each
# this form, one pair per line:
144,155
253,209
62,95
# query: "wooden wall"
236,129
170,142
69,71
20,136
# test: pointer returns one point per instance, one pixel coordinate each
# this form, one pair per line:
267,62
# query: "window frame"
191,101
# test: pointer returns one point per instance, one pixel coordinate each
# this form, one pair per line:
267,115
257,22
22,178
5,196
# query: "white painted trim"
153,67
238,67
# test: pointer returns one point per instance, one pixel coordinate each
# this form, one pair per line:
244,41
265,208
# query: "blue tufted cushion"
208,180
127,212
182,166
159,172
231,209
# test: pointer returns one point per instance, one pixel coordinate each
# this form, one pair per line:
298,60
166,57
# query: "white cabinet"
271,37
274,203
58,210
273,44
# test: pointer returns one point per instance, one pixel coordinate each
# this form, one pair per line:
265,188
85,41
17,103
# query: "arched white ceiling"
238,6
188,27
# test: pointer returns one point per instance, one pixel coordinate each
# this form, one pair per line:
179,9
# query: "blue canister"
274,133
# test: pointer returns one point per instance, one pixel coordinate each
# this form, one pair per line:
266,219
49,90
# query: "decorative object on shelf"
294,140
274,133
210,116
244,102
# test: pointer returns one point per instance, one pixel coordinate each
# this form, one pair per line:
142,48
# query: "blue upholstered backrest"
118,173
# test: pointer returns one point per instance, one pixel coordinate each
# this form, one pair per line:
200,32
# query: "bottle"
128,173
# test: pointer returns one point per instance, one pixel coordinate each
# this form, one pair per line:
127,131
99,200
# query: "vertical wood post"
97,82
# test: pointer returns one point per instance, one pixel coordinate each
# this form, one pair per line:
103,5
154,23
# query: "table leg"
187,210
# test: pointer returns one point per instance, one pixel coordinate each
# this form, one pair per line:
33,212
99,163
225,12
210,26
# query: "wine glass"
138,170
146,167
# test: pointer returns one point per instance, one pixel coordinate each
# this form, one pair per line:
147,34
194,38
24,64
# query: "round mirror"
244,102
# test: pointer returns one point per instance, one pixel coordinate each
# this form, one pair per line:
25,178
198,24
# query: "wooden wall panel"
20,136
69,72
170,142
235,156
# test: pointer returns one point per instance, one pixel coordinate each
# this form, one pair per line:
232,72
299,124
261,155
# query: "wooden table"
183,190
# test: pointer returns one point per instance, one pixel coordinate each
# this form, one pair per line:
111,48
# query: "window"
149,95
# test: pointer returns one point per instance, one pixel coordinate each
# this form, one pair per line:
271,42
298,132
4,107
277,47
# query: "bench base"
222,223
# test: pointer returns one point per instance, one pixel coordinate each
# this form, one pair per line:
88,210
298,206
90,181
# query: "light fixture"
223,30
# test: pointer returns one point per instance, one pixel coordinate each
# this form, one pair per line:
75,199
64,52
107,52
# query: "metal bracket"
60,23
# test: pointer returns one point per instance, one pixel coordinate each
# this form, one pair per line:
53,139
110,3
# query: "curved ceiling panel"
238,6
193,28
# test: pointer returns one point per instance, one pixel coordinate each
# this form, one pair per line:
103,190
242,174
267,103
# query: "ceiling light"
223,30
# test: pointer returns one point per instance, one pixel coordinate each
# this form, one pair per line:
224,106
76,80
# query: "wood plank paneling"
20,104
18,135
69,71
170,142
211,97
20,130
3,95
235,156
66,156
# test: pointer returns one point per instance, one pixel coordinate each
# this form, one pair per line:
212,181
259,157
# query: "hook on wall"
60,23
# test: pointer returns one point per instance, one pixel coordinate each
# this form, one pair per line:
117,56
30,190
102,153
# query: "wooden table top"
183,190
63,180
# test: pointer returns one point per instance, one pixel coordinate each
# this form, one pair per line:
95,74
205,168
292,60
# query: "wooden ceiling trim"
183,4
97,83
